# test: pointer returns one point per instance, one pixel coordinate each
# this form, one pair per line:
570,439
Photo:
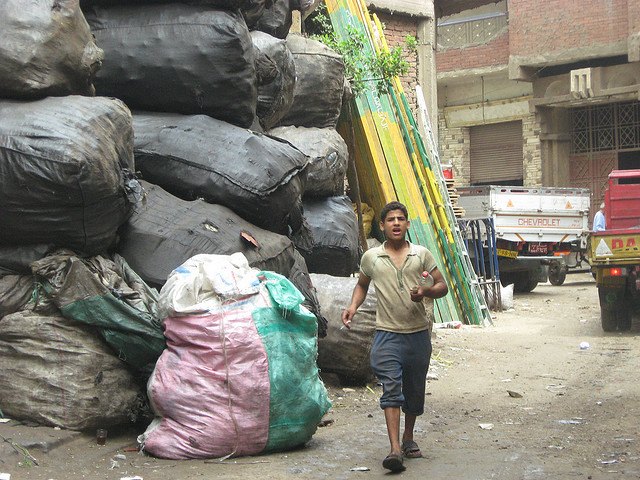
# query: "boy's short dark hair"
393,206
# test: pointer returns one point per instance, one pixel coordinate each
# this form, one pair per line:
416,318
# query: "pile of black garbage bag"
133,136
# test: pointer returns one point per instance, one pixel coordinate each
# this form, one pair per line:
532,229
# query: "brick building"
527,95
540,96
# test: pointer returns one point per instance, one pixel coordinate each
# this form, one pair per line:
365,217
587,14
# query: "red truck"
614,254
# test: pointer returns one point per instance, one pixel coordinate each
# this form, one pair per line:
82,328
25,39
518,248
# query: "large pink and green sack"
239,374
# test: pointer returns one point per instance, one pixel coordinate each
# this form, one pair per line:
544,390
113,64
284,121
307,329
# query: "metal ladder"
469,272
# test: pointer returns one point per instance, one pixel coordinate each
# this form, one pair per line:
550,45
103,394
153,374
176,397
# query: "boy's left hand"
417,294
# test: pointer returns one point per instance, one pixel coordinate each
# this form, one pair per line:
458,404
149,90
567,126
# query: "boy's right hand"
347,316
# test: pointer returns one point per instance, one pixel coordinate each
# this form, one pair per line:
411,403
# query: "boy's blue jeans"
400,361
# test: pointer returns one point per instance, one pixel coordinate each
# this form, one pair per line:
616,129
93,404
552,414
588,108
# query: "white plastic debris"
486,426
359,469
584,345
131,478
5,476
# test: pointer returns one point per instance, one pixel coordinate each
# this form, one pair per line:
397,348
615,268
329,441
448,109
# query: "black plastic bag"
259,177
177,58
65,172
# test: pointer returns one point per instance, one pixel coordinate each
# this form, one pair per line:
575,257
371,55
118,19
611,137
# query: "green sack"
110,296
298,398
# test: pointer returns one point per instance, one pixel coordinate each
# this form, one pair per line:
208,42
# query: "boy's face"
395,225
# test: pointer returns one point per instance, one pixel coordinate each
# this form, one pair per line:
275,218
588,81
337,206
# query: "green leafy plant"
361,67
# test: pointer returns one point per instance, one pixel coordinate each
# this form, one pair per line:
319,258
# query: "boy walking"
401,347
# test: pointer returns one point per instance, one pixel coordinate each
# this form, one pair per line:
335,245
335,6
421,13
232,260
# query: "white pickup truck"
540,232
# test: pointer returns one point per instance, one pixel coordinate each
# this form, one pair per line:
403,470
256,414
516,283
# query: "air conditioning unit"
582,83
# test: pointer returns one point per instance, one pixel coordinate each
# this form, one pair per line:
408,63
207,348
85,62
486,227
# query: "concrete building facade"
540,96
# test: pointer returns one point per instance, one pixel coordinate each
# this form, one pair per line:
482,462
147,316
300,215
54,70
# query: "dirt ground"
572,413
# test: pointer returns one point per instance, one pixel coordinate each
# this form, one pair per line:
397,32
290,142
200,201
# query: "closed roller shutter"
496,153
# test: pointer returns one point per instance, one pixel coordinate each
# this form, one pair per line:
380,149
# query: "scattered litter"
598,403
556,447
608,462
119,456
432,376
114,464
5,476
486,426
454,324
514,394
573,421
371,390
131,478
506,380
4,420
555,388
326,423
348,390
359,469
584,345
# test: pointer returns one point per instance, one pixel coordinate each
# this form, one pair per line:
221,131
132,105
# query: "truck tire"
557,273
524,284
614,310
522,281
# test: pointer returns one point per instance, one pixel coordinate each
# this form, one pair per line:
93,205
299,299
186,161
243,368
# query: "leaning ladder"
467,266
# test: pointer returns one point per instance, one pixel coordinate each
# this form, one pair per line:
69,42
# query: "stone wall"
454,145
454,149
531,151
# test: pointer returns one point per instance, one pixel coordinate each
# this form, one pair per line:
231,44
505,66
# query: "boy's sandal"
393,462
410,449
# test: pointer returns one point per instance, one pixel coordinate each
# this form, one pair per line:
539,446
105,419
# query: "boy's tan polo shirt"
396,312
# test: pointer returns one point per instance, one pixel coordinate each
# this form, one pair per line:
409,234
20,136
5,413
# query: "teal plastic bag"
298,398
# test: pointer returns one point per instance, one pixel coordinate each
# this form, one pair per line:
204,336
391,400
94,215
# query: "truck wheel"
524,284
557,273
614,310
609,320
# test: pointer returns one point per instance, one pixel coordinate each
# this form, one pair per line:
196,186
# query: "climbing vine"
360,68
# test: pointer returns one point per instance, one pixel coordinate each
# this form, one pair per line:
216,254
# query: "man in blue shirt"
599,223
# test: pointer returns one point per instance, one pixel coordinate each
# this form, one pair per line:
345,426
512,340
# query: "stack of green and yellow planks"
392,164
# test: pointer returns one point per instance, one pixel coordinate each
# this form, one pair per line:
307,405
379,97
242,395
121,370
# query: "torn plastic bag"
177,58
65,171
46,50
109,295
259,177
328,157
59,373
239,375
165,232
317,95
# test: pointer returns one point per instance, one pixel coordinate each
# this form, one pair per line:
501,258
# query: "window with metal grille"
615,126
